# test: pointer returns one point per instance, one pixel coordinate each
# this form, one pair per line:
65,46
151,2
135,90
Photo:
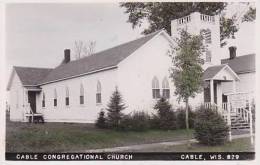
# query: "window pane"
98,97
166,93
67,101
55,102
81,98
156,93
43,103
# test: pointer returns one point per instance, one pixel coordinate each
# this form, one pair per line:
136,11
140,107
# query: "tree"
181,117
166,116
159,15
250,15
115,108
210,127
186,71
101,121
82,49
228,28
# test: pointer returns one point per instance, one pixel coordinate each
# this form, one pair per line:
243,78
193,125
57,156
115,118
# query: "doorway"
32,100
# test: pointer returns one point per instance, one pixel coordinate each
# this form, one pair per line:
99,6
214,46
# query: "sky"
37,34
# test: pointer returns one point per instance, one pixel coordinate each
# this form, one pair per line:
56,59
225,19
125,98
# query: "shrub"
181,118
115,108
154,122
210,128
101,121
138,121
166,116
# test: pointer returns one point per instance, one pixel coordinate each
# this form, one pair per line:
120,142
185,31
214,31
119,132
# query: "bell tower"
208,26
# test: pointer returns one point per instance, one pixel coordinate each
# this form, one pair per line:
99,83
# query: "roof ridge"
251,54
107,58
148,35
31,67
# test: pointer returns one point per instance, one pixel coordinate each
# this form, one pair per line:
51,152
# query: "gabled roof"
29,76
103,60
210,72
241,64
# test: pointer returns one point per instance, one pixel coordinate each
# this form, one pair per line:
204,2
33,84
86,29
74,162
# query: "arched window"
43,99
155,88
166,88
98,94
67,98
81,96
55,98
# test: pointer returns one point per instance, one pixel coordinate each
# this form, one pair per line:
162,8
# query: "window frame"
67,97
166,93
155,88
81,95
43,100
55,100
99,93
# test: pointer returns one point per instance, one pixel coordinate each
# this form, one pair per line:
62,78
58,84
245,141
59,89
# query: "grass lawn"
61,137
66,137
237,145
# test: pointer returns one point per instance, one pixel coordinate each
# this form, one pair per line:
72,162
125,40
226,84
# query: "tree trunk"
187,113
187,122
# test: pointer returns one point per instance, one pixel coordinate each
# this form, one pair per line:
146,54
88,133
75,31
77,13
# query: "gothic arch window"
43,99
55,98
81,96
165,88
67,98
98,94
155,88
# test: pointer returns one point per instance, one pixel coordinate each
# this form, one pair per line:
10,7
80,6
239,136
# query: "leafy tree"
181,116
228,28
186,71
101,121
210,127
115,108
250,15
166,116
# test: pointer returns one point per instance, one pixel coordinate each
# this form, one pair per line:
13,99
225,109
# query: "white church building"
76,91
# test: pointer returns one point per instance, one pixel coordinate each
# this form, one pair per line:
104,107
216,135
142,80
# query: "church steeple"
208,26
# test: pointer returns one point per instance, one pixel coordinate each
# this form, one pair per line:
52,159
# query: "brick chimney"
232,52
66,56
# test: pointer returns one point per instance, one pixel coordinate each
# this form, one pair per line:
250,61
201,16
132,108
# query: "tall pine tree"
115,108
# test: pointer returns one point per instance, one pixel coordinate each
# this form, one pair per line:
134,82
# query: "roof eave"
231,70
83,74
